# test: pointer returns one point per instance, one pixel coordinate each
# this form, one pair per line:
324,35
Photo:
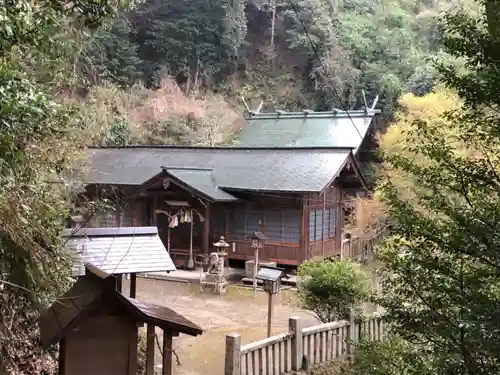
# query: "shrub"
331,288
393,356
141,353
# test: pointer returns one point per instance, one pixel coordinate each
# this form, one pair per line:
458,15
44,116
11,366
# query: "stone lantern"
221,247
258,240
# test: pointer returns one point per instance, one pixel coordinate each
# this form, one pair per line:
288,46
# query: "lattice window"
253,219
282,226
316,225
237,220
332,224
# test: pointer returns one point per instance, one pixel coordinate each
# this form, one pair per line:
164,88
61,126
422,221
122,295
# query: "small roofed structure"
97,328
118,251
271,276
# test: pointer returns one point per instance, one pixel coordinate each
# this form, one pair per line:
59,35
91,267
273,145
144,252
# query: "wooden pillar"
119,282
132,360
155,207
206,230
323,225
270,314
304,232
353,333
167,353
150,350
294,325
133,285
62,358
255,270
232,360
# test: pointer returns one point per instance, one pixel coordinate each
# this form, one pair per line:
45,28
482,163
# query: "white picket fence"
286,352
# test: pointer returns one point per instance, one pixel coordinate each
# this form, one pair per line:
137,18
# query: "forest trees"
382,47
38,44
441,266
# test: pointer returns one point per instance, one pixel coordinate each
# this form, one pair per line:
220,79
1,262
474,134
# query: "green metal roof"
306,129
251,169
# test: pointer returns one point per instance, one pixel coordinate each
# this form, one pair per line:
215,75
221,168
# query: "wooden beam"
167,353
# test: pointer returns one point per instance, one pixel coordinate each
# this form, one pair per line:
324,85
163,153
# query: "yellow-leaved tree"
397,140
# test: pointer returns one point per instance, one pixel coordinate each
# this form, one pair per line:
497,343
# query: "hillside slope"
316,54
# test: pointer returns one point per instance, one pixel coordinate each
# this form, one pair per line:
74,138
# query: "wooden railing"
361,248
298,348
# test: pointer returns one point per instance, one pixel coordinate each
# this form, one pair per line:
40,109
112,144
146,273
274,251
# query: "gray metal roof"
118,250
257,169
270,273
306,129
201,180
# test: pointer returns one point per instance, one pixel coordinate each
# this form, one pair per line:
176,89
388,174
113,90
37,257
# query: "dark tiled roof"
306,129
201,180
258,169
118,250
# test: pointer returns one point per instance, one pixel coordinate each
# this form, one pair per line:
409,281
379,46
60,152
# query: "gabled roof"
118,250
88,292
221,169
201,180
306,129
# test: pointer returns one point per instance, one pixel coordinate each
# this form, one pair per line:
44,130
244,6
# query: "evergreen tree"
442,279
112,55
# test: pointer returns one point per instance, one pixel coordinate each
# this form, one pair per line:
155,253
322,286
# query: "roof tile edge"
313,114
248,148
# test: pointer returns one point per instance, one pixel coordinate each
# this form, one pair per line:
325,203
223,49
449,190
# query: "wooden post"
294,325
119,282
167,353
133,285
352,333
132,359
270,314
150,350
168,237
255,269
206,230
232,364
155,215
191,260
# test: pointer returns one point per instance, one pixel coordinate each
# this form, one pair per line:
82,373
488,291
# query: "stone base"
218,283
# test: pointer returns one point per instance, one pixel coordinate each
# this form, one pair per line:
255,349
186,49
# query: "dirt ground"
238,311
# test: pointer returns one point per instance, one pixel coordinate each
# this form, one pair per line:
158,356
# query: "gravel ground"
237,311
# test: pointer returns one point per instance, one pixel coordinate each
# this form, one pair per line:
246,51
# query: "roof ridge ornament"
248,110
374,103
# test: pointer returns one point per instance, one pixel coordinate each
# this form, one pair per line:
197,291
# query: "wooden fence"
286,352
361,248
